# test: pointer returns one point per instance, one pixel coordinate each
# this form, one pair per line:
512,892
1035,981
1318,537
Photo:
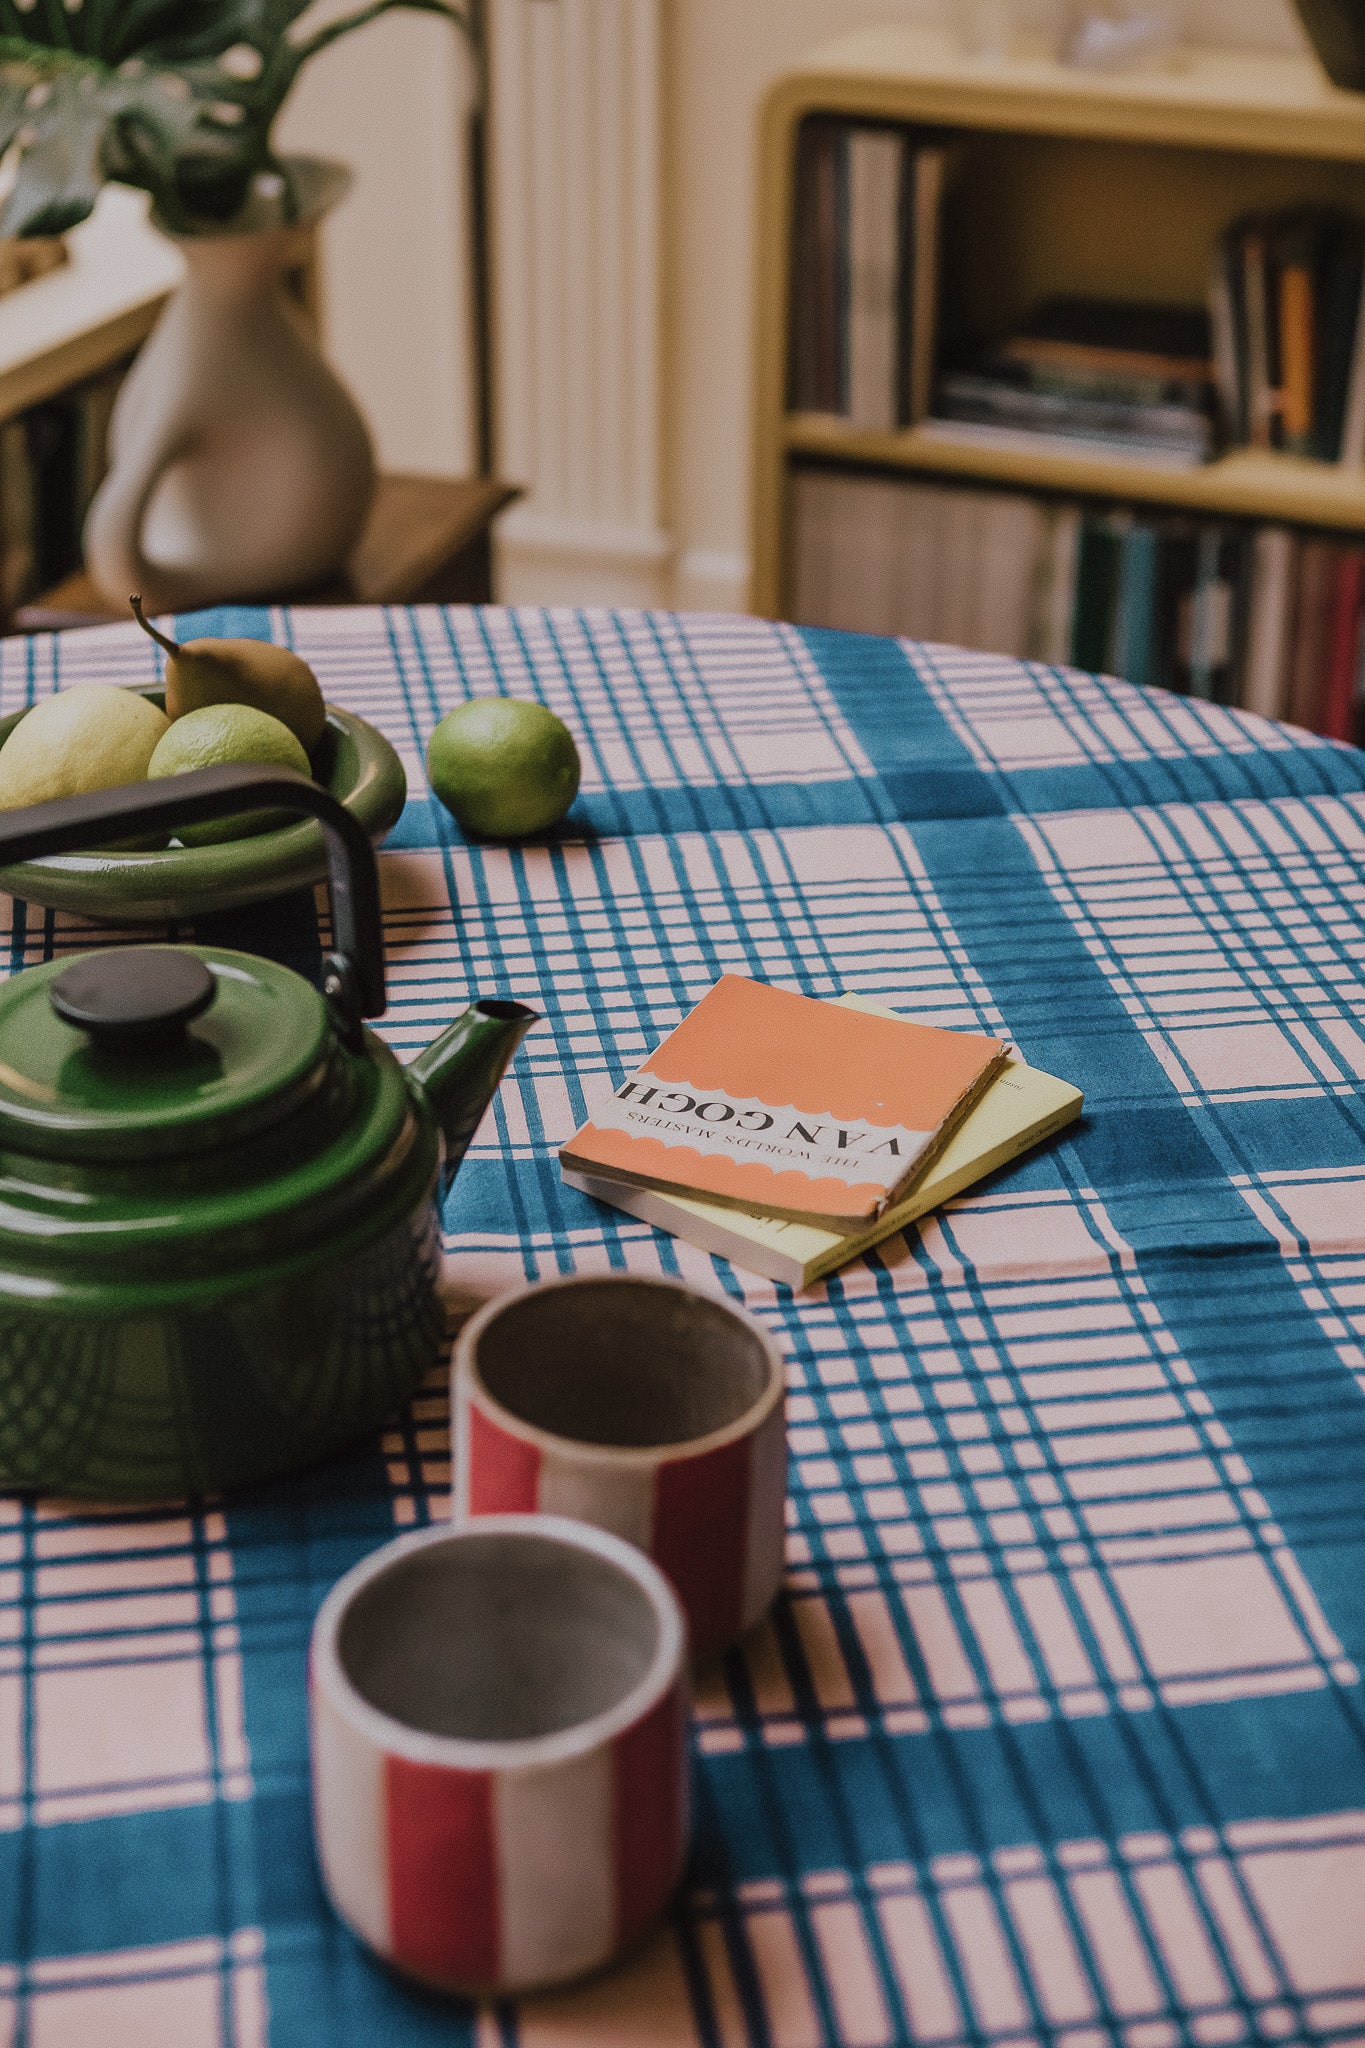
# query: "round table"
1058,1732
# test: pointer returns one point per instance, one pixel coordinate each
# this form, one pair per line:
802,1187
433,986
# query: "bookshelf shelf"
1114,186
1209,97
1247,483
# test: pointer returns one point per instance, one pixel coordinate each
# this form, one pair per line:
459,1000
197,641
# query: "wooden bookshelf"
1110,185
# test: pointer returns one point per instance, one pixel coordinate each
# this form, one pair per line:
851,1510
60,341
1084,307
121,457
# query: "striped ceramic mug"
643,1407
497,1719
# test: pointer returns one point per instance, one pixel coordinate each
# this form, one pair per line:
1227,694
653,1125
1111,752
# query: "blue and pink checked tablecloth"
1059,1733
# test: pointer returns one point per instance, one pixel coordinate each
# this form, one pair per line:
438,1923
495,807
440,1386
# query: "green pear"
270,679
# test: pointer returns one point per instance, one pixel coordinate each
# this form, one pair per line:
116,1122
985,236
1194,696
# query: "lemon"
503,768
216,735
92,736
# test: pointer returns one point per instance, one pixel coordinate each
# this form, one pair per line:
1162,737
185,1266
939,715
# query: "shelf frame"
98,309
1211,100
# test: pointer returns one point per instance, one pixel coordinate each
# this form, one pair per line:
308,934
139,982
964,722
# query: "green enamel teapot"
219,1222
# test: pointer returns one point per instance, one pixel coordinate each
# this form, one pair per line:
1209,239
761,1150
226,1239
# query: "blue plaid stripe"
1060,1723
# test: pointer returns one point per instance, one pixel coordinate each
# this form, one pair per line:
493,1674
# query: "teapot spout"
459,1072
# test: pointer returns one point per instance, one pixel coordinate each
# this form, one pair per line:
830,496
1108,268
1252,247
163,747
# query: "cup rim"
666,1668
582,1449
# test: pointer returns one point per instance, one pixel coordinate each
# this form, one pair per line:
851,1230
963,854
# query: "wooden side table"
427,540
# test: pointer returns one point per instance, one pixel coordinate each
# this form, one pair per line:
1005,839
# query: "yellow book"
1019,1109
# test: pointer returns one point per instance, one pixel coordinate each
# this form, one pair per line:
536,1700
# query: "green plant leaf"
175,96
59,174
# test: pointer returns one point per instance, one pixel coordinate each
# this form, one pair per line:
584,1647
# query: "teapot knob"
133,998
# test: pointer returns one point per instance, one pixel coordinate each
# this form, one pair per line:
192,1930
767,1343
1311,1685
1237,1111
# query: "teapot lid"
153,1052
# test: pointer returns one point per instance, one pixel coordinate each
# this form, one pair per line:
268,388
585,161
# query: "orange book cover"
777,1102
1296,356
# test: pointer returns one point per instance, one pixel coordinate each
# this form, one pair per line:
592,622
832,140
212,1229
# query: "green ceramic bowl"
352,760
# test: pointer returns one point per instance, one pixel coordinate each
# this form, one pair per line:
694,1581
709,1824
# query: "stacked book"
1160,601
1257,617
791,1135
1289,342
865,272
878,554
1133,380
1276,361
1305,651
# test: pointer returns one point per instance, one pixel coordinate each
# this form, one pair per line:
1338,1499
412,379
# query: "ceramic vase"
239,465
646,1408
498,1726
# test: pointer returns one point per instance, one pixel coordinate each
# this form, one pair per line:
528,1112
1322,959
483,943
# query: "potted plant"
239,464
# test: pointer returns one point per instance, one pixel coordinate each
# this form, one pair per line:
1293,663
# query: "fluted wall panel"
577,234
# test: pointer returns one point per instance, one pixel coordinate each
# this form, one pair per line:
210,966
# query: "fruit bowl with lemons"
222,701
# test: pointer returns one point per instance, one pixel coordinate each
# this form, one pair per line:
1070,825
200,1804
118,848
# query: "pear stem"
160,638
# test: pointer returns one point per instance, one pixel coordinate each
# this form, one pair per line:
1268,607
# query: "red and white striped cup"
645,1408
497,1711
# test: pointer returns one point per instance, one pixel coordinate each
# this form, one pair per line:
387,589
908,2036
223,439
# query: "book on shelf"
981,399
1210,617
1265,617
1257,338
1046,631
764,1099
1350,444
1037,442
1336,320
1304,644
1337,720
928,169
1270,621
929,561
1159,600
1226,355
875,171
1308,663
1259,617
1130,378
1275,360
1285,300
1296,258
1156,602
1157,353
868,203
1021,1108
817,374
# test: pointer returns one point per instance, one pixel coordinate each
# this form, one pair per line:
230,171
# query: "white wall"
722,57
389,101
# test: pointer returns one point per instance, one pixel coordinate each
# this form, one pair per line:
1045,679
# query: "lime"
92,736
503,768
215,735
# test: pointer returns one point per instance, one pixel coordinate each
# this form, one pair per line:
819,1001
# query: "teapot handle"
353,971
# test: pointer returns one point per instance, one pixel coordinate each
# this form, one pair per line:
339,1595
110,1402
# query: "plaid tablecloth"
1059,1732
